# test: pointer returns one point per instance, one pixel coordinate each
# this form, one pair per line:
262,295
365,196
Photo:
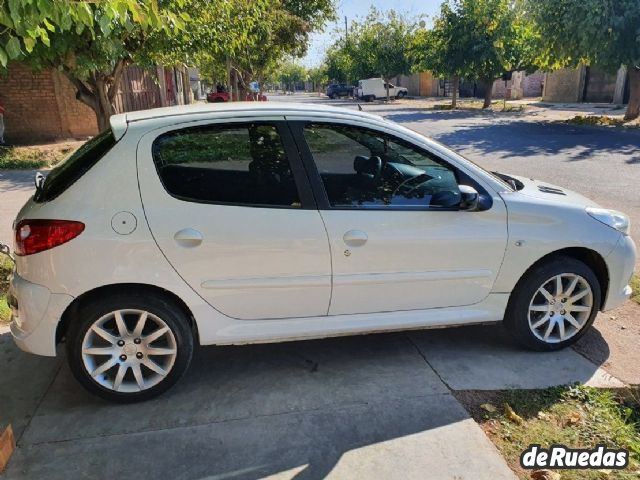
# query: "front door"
229,206
398,239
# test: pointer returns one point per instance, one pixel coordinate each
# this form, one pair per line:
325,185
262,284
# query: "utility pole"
346,31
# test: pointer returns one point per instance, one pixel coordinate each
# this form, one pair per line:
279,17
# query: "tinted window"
362,168
79,163
238,165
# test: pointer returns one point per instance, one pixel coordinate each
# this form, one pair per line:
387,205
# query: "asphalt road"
601,163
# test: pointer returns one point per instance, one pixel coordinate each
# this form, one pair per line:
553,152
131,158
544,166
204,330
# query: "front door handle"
355,238
188,237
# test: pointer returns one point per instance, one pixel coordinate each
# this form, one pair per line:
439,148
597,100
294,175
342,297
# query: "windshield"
79,163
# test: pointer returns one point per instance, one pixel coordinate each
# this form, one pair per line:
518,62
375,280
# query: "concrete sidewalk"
377,406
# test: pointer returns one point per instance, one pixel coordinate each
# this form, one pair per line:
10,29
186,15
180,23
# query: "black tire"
516,318
171,314
400,95
334,96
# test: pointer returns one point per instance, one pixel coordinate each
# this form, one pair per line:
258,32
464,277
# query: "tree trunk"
454,93
386,82
633,109
99,91
487,93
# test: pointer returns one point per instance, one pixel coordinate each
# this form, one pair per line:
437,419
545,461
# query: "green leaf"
5,18
29,44
105,24
13,47
3,57
48,25
45,37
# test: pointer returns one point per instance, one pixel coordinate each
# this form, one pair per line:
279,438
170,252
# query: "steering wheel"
410,189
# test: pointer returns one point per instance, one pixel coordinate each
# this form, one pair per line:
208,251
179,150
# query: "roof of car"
120,121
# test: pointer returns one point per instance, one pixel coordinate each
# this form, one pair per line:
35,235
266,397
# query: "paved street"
376,406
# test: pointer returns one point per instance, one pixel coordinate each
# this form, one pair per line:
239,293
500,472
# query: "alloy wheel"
560,308
129,350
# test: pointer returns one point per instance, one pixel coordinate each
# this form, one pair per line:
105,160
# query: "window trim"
300,177
320,192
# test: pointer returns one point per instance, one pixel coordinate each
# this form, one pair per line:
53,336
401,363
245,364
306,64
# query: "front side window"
241,164
362,168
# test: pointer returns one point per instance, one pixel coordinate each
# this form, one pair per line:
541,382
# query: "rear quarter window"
74,167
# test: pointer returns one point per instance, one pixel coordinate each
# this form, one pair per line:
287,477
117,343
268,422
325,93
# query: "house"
42,106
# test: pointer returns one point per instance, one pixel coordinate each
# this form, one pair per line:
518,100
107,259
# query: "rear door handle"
355,238
188,237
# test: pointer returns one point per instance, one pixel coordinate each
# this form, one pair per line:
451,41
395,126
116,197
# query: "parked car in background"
217,96
373,88
336,90
265,222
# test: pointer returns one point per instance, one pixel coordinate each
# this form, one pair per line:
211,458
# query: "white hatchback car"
249,222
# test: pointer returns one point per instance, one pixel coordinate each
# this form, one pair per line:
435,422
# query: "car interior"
240,165
385,177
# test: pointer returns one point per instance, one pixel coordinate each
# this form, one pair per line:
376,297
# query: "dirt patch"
574,416
613,342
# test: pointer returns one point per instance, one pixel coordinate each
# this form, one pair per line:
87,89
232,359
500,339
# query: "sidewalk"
376,406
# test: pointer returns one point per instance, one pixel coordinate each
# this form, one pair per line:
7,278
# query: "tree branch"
83,93
116,75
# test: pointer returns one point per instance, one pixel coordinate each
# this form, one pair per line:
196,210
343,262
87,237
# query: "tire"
551,322
400,95
98,320
334,96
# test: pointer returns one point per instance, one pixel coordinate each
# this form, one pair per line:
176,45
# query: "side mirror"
469,198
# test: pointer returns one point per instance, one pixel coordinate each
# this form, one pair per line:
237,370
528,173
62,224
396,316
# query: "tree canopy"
376,46
475,39
92,41
595,32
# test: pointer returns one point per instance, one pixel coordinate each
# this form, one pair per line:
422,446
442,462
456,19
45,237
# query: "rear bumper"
620,262
35,313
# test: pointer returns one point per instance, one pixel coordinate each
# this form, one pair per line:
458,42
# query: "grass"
5,268
635,287
30,157
574,416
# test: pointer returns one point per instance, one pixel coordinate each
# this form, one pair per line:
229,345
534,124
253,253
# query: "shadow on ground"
353,407
506,137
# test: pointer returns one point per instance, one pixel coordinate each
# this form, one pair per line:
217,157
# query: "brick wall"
532,85
42,107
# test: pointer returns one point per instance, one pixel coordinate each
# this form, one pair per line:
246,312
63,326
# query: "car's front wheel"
129,347
554,304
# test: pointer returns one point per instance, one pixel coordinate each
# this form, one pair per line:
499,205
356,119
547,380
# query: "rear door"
229,205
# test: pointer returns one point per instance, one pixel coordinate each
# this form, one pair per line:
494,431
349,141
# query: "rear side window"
240,164
79,163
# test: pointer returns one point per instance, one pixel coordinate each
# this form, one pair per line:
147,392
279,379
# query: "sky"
354,9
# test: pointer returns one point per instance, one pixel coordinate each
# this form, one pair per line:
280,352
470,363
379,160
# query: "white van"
373,88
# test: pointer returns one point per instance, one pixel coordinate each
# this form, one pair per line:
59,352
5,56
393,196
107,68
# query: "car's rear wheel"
554,304
128,347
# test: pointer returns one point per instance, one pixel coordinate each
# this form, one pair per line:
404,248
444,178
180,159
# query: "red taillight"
33,236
